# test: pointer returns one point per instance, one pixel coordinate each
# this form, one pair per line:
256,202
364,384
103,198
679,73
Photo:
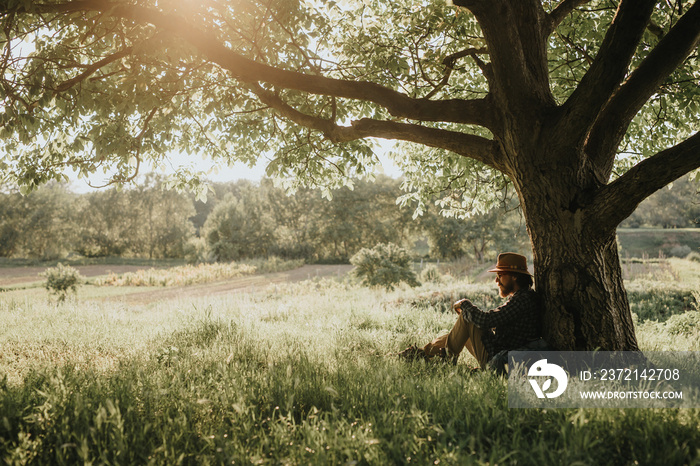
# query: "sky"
221,174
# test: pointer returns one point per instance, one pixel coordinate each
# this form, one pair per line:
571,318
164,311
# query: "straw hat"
511,262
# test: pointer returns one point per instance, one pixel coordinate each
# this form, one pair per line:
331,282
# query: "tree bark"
580,281
577,268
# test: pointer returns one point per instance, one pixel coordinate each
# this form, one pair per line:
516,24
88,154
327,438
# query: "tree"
145,221
583,107
239,228
40,225
481,236
360,217
164,226
107,224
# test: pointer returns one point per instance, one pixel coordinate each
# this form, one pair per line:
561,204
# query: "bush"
196,251
680,251
687,323
659,301
693,256
431,274
61,279
384,265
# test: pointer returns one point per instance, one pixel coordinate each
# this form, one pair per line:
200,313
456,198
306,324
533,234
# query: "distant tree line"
51,222
675,206
243,220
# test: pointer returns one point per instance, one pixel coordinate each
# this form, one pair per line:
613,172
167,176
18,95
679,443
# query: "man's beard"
506,290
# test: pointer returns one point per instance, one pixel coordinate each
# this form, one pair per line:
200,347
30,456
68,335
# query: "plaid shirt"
509,326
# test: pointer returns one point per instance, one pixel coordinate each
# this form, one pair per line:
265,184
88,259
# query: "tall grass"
295,374
201,273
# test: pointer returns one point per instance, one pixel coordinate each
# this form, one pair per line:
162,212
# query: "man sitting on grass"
486,334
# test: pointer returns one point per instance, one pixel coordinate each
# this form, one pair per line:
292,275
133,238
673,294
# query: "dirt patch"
20,275
241,284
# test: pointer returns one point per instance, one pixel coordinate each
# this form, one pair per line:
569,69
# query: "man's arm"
501,315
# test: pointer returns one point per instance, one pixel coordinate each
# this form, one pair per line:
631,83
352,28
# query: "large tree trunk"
577,267
580,281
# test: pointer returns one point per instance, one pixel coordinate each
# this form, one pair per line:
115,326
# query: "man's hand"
458,305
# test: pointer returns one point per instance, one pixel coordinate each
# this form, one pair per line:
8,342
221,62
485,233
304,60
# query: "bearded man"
486,334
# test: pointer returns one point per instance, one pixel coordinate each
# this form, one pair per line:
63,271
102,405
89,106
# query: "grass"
200,273
179,275
294,374
638,242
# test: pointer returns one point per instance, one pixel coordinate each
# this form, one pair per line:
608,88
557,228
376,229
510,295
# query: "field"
305,373
652,242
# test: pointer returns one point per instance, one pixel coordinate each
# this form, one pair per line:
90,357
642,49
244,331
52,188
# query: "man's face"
506,284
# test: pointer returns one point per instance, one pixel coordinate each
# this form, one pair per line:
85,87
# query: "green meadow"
306,373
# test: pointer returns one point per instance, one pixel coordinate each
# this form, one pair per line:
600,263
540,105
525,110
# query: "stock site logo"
543,369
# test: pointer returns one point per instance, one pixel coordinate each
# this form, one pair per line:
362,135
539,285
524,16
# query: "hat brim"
501,269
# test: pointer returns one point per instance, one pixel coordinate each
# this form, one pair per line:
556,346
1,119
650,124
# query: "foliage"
687,323
481,236
385,265
61,280
656,301
556,101
147,220
264,220
676,206
239,228
641,242
50,223
37,226
196,251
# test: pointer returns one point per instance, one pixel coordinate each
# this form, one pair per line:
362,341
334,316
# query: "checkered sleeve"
503,314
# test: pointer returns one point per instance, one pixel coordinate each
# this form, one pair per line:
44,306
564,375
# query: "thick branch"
476,147
609,67
475,112
513,31
616,201
449,63
612,124
92,69
558,15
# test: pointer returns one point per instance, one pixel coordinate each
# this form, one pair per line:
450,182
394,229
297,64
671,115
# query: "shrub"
684,324
196,251
61,279
659,301
385,265
431,274
680,250
693,256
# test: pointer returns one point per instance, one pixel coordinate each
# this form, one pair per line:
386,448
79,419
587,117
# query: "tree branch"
513,31
608,68
611,125
558,15
92,68
476,147
475,112
616,201
449,63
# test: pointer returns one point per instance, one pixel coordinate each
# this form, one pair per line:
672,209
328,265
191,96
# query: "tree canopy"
583,108
103,85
